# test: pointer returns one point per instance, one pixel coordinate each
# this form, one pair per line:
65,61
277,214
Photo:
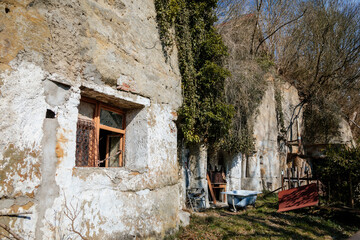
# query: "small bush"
340,173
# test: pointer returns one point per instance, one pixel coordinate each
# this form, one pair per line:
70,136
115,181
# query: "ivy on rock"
204,116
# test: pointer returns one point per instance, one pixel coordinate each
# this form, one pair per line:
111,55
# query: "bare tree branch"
277,29
11,232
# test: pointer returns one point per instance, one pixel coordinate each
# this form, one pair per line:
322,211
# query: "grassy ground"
264,222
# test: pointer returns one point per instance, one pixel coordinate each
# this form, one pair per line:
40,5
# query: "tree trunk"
351,191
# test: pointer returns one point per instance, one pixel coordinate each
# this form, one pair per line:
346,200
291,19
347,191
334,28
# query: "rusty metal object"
85,143
300,197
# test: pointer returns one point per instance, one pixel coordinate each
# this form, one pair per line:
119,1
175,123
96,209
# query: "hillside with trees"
315,45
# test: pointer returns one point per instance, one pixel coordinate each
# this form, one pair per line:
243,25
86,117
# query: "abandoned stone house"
88,141
88,145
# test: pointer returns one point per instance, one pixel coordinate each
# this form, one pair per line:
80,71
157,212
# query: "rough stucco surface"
198,169
51,53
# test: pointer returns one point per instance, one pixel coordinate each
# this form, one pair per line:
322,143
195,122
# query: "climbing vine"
204,116
247,85
279,111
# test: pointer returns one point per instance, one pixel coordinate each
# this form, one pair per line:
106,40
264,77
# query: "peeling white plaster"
139,200
22,106
143,192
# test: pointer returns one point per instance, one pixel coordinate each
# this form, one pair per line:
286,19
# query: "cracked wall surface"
51,54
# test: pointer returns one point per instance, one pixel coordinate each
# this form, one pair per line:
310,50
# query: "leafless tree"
271,17
315,45
245,88
322,58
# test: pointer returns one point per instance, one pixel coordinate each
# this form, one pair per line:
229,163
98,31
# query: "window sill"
118,170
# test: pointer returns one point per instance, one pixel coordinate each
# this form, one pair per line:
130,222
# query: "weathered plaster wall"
197,158
234,171
101,41
51,53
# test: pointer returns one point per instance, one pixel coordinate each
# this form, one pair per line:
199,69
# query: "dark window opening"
100,137
110,149
50,114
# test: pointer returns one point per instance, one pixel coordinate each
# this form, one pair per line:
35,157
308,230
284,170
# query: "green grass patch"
264,222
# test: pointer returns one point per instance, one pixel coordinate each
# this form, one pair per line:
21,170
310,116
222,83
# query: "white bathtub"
241,198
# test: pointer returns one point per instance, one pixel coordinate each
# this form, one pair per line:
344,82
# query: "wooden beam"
211,188
111,129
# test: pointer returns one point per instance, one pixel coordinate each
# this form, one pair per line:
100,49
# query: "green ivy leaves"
204,116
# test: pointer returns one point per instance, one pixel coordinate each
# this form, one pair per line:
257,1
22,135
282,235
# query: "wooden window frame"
96,118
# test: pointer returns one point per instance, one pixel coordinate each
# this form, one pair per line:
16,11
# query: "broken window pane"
111,119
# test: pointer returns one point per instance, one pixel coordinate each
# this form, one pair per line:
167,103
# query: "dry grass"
265,223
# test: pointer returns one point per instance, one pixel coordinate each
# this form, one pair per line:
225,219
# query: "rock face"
278,115
52,53
279,125
262,170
